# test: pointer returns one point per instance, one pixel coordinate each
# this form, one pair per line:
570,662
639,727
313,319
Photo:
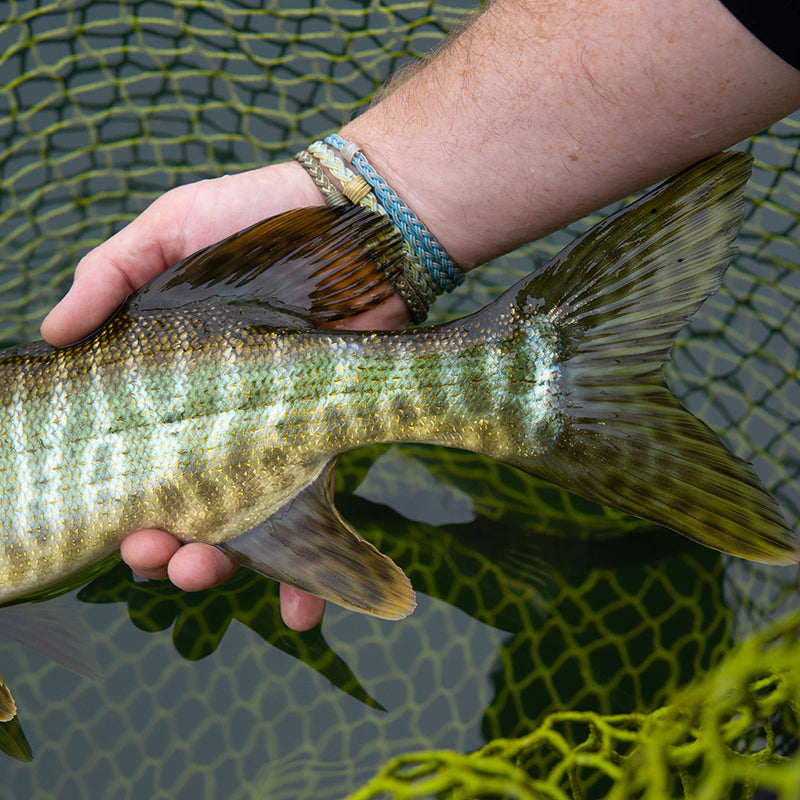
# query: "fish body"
210,438
214,406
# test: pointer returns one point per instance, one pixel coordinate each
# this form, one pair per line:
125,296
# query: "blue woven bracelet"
413,283
431,254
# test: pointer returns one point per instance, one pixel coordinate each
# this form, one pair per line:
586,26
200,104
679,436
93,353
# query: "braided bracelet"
333,197
422,242
415,284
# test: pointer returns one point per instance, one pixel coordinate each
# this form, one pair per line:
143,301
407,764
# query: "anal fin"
308,545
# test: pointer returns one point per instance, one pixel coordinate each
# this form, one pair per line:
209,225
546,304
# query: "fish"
217,401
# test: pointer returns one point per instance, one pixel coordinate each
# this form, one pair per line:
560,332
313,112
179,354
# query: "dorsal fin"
304,268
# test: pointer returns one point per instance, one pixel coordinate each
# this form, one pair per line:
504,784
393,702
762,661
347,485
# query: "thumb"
94,295
104,278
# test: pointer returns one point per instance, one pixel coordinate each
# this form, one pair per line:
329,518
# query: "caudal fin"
618,296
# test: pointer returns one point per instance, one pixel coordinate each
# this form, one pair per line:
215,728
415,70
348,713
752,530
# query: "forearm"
543,111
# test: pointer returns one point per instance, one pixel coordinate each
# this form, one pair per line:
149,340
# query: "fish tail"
615,300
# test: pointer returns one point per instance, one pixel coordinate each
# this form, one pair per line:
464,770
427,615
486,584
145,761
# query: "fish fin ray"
618,297
660,463
308,545
298,269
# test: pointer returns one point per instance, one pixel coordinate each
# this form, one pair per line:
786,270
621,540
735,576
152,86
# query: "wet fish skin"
219,419
163,417
209,438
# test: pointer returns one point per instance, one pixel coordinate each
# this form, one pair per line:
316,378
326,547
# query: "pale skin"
544,112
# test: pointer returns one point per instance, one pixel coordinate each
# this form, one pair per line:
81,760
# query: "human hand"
179,223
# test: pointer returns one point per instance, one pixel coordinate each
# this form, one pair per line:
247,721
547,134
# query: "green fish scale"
205,430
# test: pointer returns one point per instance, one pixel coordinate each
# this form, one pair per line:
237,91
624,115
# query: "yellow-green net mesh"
714,739
560,649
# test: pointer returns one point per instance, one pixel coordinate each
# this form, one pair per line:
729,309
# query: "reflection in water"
407,486
513,623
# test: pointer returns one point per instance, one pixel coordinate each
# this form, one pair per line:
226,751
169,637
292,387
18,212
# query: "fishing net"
560,650
716,739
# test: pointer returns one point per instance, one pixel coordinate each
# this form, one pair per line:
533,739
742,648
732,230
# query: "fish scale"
214,405
168,437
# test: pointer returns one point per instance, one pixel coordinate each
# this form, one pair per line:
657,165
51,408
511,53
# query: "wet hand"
179,223
176,225
157,555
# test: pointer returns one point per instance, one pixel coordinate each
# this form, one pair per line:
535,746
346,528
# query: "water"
269,711
530,600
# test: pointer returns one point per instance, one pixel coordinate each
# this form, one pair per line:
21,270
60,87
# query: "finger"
147,552
104,278
91,300
300,611
197,566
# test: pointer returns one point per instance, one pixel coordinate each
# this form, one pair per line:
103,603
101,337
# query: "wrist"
344,175
289,180
412,172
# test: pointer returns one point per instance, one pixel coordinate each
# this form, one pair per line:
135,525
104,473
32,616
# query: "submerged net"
723,737
104,105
